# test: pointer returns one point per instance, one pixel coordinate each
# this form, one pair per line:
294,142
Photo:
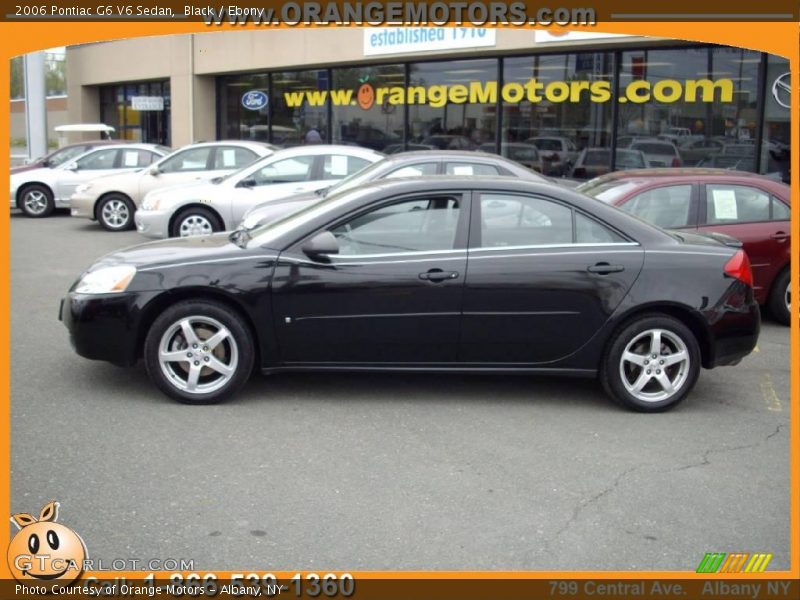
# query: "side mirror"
320,245
73,166
248,182
154,171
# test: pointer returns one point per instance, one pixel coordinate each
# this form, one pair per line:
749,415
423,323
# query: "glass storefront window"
694,107
775,158
365,110
244,112
450,105
558,103
149,126
299,107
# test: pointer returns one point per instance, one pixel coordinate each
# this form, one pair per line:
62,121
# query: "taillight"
676,162
738,267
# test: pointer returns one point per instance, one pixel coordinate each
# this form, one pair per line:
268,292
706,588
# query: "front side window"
288,170
193,159
727,204
102,159
667,206
339,166
418,225
233,158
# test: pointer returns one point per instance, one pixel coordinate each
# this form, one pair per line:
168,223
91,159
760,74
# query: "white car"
658,153
221,204
113,200
37,192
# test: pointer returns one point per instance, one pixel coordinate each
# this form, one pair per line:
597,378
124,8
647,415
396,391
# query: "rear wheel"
195,221
651,364
199,352
115,212
36,201
780,301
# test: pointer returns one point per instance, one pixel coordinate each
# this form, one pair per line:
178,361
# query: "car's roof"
681,173
241,143
315,149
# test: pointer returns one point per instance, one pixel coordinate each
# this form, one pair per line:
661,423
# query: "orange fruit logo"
366,96
43,550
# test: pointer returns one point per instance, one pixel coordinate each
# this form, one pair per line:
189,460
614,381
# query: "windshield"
608,191
61,156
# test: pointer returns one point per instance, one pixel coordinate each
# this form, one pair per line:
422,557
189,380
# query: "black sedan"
453,274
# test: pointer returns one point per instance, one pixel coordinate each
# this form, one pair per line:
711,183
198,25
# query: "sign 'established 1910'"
399,40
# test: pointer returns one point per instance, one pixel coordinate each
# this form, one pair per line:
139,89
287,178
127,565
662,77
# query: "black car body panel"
547,309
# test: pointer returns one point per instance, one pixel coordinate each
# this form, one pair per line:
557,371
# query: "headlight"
106,280
84,187
151,203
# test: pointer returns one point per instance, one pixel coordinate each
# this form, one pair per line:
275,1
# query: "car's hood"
42,174
28,167
172,251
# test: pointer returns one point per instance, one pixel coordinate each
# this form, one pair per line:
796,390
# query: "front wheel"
196,221
780,301
199,352
36,201
115,212
651,364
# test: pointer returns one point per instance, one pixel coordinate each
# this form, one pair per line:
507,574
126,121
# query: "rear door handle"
780,236
605,268
438,275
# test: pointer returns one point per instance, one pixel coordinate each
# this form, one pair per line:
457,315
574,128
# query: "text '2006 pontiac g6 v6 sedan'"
458,274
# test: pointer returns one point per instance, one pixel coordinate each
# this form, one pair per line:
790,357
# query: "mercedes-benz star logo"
782,90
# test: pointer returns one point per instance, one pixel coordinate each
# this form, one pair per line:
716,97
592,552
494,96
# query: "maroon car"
751,208
63,154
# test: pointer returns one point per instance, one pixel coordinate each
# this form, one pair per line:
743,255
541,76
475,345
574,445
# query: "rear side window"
465,168
589,231
137,158
667,206
780,212
508,220
727,204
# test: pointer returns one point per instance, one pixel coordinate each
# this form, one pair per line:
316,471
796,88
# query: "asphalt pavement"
375,471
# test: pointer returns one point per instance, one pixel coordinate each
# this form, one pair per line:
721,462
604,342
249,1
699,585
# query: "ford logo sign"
254,100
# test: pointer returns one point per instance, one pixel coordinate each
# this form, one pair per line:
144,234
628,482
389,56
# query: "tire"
779,299
195,220
185,378
637,384
36,201
115,212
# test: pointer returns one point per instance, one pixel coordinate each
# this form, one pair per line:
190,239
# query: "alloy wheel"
195,225
198,355
116,214
35,202
654,365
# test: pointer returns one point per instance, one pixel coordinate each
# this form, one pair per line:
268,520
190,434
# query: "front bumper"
152,223
82,205
104,326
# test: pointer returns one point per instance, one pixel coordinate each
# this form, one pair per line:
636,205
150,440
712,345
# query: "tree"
17,78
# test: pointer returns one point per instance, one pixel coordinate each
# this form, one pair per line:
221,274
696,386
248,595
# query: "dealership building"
462,88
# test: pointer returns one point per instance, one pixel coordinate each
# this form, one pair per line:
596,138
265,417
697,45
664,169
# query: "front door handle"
438,275
780,236
605,268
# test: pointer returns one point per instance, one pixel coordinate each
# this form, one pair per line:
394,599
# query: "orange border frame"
781,38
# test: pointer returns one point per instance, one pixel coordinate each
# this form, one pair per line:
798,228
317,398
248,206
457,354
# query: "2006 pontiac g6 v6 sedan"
427,274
